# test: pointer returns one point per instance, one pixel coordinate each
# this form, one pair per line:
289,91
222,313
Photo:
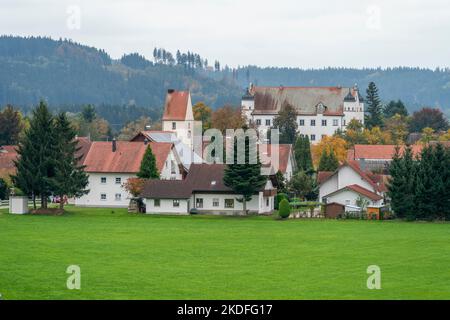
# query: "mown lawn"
126,256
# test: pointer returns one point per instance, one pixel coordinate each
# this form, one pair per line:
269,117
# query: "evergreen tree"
441,187
302,152
428,182
36,161
148,169
3,189
280,182
395,107
401,186
245,179
374,109
286,123
328,161
301,184
70,178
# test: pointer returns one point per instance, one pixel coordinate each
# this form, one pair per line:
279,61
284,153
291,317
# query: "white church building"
320,110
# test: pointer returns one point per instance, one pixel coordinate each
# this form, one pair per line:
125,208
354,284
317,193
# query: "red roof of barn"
126,159
176,105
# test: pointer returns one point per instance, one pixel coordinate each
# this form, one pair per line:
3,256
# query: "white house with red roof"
348,183
111,164
204,190
178,117
320,110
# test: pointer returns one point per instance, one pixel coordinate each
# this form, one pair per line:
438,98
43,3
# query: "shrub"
279,198
285,209
3,189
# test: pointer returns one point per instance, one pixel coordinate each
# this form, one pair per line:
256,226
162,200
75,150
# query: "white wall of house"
213,202
349,197
329,186
106,192
347,176
171,169
167,206
289,169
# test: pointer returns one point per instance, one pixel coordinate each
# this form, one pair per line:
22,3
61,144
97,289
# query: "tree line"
419,187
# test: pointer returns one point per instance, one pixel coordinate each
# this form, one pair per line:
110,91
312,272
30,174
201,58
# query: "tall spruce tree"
441,187
245,178
70,178
401,186
328,161
374,110
148,169
36,156
302,152
424,193
286,123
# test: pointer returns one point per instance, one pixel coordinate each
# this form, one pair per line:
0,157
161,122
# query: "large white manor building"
320,110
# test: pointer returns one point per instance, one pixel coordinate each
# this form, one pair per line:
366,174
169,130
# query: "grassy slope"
151,257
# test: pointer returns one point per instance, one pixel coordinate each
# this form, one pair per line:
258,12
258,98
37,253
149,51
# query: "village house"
204,190
320,110
349,183
111,164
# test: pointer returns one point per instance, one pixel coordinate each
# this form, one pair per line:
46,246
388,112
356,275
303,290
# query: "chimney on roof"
170,91
114,145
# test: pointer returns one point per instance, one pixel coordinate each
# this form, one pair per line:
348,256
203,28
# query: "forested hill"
68,75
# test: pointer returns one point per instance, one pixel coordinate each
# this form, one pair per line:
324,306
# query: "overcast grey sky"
314,33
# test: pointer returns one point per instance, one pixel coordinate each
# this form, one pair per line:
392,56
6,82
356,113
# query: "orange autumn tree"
134,186
330,143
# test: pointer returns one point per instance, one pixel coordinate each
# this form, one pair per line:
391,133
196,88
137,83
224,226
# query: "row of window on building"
117,197
302,122
103,180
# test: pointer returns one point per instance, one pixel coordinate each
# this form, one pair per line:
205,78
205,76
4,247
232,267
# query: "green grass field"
126,256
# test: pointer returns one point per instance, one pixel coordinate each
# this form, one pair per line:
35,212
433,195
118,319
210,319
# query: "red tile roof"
363,191
382,152
323,175
126,159
176,104
84,144
358,189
